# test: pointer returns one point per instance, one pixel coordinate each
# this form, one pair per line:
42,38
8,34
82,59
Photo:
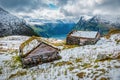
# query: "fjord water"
53,30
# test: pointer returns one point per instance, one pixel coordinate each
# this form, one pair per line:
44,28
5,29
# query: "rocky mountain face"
98,23
12,25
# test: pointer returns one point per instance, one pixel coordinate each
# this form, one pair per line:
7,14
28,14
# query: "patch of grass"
118,57
94,48
16,62
78,60
103,78
17,74
63,63
3,50
102,60
65,73
6,62
1,70
65,46
59,44
71,68
96,66
12,51
81,74
112,31
86,65
16,59
69,46
117,66
117,41
108,66
102,70
97,76
95,73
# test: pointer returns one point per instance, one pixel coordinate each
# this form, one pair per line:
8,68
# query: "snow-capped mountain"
98,23
12,25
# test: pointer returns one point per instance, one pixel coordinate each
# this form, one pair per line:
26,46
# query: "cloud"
62,8
92,7
22,5
110,7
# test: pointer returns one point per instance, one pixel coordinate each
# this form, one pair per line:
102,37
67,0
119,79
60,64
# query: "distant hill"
103,24
12,25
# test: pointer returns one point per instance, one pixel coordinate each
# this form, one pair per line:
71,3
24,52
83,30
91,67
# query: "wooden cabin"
34,52
82,37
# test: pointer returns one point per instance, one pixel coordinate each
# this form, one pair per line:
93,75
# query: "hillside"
12,25
91,62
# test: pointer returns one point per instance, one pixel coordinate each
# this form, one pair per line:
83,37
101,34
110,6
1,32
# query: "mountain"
12,25
98,23
51,28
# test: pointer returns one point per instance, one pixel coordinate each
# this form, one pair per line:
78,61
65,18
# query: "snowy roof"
85,34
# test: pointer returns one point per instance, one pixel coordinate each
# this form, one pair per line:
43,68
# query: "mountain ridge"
98,23
12,25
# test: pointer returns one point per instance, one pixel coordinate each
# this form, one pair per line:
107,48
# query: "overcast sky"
61,8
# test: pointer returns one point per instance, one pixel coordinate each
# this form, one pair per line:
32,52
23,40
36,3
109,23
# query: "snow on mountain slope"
103,24
12,25
109,19
80,63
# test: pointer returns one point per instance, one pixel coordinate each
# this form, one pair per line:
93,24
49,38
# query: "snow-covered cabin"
34,51
82,37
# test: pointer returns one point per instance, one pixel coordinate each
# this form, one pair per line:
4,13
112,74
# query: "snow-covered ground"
79,63
11,43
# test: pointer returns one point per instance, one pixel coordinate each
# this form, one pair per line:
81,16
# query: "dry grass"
71,68
3,50
81,74
103,78
112,31
17,74
65,46
96,66
1,70
63,63
86,65
102,70
78,60
117,41
118,56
